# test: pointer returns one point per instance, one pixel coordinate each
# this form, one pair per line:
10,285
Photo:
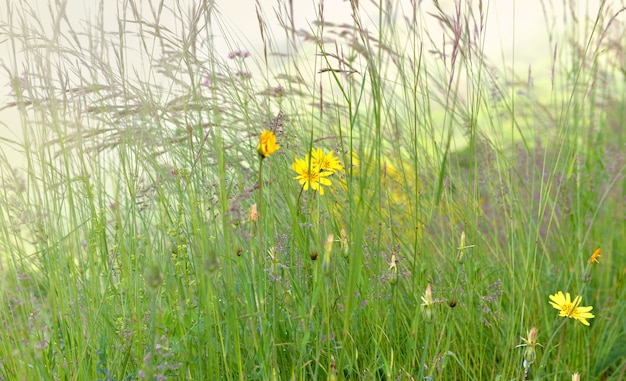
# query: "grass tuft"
420,204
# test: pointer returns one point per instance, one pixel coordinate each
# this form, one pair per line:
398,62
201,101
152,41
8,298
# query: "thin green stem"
260,202
544,358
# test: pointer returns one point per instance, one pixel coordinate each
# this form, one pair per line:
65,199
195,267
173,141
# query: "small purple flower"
244,74
243,54
279,91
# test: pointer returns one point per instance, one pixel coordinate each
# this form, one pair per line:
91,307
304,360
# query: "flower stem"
260,218
547,350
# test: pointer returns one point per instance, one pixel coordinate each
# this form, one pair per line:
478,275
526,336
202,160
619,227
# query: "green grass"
128,252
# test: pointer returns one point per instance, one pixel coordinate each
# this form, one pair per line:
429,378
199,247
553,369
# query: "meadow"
348,203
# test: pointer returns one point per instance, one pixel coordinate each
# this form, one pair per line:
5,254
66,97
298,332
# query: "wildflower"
428,297
594,257
570,309
326,162
529,353
309,175
244,74
428,303
267,144
314,169
239,54
576,377
278,91
253,213
393,270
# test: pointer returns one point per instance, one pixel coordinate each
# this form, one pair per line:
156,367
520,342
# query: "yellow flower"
570,309
309,175
595,256
267,144
326,162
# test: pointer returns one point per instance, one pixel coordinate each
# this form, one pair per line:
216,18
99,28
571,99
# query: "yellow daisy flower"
267,144
326,162
571,309
310,175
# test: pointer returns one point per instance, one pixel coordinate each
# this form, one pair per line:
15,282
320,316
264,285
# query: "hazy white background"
517,31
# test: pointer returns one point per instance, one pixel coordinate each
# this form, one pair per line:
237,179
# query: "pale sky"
517,31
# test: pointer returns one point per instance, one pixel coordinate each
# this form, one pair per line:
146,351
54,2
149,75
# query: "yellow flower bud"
267,144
